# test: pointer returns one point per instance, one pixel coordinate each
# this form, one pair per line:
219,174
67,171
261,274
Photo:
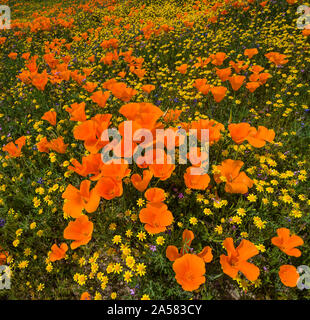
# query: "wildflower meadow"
217,207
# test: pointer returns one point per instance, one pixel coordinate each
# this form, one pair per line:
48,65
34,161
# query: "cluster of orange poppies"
155,216
190,268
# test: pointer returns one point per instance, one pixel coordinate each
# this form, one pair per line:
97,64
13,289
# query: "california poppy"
236,260
50,116
148,88
77,111
85,296
162,168
58,145
277,58
287,243
109,188
15,149
250,52
236,181
218,93
195,181
236,81
172,115
218,58
156,217
100,98
80,230
252,85
182,68
288,275
189,271
155,195
223,74
143,113
139,183
90,86
77,200
58,253
258,138
239,131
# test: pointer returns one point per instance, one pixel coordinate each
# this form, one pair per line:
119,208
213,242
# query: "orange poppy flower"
90,165
250,52
85,296
239,131
148,88
50,116
3,256
90,86
306,32
236,181
39,80
277,58
163,168
218,58
43,145
263,77
172,115
139,72
155,195
206,254
288,275
58,145
87,71
198,182
172,253
256,69
199,83
58,253
182,68
122,92
223,74
189,270
287,243
252,86
77,200
12,55
139,183
201,62
122,74
115,170
77,111
100,98
143,113
26,55
90,132
218,93
258,138
109,188
236,82
213,126
236,260
15,149
80,230
156,217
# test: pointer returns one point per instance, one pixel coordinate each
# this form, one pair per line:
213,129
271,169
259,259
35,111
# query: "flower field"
75,227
